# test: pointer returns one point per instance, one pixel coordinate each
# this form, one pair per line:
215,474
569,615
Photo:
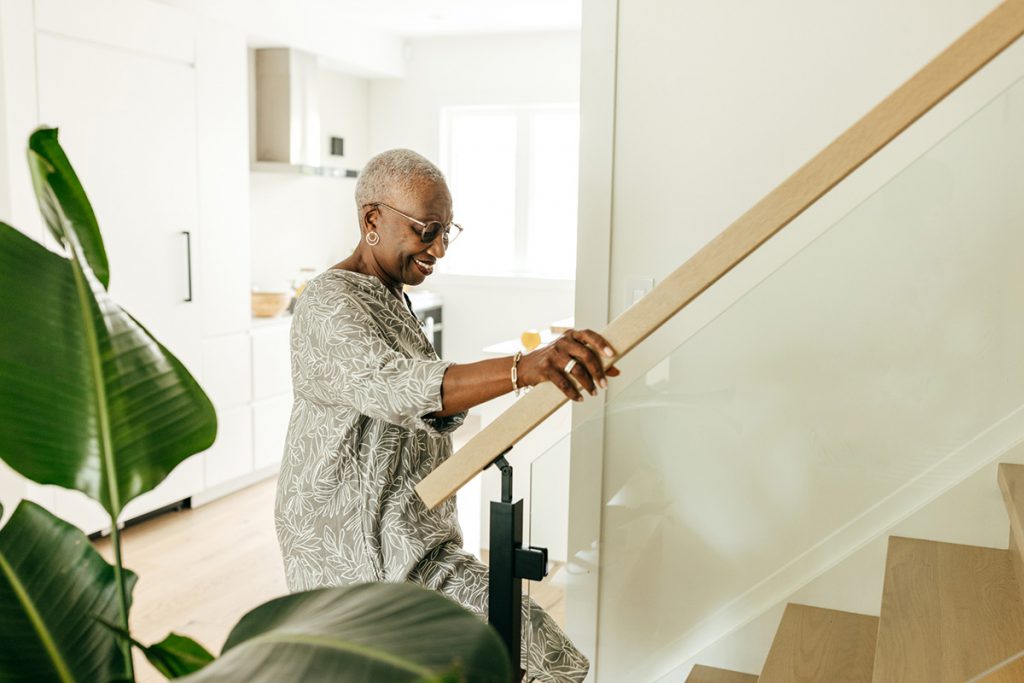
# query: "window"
513,173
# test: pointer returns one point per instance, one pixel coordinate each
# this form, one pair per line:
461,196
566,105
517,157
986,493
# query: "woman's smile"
425,266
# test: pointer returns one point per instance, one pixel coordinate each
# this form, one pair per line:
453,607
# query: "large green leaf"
176,655
88,398
52,584
63,202
368,632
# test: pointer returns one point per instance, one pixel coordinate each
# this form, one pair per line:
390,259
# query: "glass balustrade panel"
876,368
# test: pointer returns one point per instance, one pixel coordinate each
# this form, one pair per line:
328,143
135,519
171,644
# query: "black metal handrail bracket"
510,564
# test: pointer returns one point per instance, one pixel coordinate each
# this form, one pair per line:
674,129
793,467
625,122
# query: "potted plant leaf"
90,400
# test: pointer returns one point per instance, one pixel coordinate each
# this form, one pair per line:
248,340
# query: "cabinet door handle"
188,262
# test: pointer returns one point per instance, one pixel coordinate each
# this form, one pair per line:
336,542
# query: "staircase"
950,614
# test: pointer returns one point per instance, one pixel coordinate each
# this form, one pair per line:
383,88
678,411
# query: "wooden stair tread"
1012,672
949,612
815,645
709,674
1011,483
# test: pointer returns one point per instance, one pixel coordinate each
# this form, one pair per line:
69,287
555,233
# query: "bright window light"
513,173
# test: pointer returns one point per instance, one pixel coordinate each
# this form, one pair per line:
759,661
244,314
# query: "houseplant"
89,400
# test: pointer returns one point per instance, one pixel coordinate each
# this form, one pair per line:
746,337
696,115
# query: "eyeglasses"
429,231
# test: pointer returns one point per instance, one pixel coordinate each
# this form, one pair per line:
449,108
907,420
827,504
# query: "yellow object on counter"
530,339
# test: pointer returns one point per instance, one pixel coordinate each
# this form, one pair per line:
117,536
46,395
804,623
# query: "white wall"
322,27
308,221
535,68
719,103
714,106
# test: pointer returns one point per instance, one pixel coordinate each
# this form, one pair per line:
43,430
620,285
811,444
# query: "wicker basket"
270,304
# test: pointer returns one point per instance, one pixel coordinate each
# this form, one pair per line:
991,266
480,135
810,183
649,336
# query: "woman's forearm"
576,362
467,385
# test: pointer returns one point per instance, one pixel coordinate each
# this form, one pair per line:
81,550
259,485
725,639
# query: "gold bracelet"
515,372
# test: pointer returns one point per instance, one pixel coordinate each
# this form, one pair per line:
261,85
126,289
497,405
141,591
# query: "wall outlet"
637,288
337,147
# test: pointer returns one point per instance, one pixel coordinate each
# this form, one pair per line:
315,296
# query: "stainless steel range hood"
288,114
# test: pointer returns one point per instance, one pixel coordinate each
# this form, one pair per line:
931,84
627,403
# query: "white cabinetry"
227,379
223,116
230,458
272,391
271,362
270,426
128,123
151,103
251,433
227,370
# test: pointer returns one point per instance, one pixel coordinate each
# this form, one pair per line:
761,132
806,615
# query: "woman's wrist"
515,372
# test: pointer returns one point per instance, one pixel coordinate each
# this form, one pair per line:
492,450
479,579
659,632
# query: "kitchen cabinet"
227,370
89,516
84,512
239,459
151,103
269,429
271,389
231,456
222,109
128,122
271,361
227,380
181,483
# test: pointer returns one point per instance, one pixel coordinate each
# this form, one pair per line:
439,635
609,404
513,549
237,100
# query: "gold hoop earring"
372,238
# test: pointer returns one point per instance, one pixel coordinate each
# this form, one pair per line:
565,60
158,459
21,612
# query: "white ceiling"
421,18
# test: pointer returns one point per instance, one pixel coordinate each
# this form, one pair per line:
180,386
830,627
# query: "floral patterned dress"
364,376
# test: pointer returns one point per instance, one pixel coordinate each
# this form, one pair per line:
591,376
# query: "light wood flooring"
201,570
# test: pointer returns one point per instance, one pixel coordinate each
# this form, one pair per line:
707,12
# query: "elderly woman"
375,407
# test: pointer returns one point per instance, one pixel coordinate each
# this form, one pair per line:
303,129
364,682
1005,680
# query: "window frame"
523,114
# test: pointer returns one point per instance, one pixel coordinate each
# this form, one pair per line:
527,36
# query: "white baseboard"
213,493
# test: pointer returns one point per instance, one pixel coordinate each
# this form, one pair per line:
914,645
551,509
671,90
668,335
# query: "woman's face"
401,253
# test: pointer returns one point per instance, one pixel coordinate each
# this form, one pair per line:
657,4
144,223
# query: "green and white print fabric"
364,376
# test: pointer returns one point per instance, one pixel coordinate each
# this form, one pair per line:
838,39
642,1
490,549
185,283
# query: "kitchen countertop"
510,346
261,323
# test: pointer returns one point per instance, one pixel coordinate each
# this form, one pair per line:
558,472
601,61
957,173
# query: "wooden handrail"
993,34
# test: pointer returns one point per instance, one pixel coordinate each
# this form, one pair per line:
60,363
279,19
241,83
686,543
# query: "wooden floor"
201,570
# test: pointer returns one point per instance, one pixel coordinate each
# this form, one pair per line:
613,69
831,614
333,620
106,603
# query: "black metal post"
510,564
504,610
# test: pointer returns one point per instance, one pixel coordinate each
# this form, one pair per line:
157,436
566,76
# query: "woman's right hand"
584,349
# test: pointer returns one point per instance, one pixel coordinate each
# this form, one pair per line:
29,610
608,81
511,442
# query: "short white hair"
393,172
